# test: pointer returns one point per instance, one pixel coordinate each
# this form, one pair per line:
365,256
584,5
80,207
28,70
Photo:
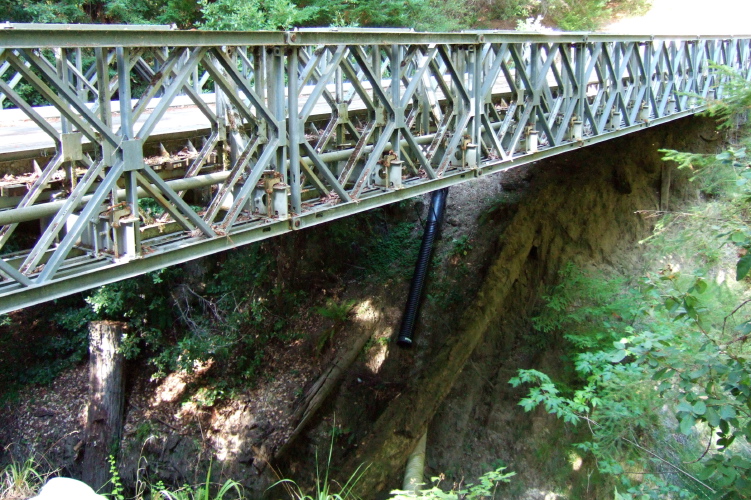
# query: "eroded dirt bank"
581,208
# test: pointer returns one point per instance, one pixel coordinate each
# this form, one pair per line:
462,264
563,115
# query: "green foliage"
54,351
423,15
149,209
580,300
735,99
231,320
485,488
117,491
143,302
244,15
77,11
338,313
230,489
435,15
460,247
675,352
510,9
392,253
570,15
442,15
581,15
334,311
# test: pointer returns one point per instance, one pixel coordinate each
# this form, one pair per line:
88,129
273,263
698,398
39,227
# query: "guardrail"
303,127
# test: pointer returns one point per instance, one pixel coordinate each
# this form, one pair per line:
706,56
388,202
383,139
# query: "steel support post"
477,102
398,110
294,130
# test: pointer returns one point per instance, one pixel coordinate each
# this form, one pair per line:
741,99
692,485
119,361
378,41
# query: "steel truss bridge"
241,136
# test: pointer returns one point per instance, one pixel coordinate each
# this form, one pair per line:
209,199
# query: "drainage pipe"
415,466
432,226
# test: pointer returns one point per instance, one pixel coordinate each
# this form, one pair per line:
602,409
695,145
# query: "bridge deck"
467,104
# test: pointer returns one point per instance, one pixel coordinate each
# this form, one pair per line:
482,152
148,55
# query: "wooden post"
106,399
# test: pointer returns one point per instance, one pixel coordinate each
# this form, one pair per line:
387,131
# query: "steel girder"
298,128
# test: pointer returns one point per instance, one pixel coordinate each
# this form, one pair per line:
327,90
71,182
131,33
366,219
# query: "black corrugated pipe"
433,224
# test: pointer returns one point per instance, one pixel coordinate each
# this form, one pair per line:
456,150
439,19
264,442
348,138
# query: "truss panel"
154,147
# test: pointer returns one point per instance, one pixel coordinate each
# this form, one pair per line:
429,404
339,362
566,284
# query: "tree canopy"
245,14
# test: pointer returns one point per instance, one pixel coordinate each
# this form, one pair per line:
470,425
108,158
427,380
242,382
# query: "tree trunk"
106,396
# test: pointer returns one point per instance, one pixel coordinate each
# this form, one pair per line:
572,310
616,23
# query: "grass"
21,480
326,488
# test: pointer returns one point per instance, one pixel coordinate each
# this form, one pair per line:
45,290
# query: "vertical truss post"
123,82
375,57
80,88
534,77
234,136
104,102
221,109
580,52
694,74
651,103
477,101
277,105
339,86
130,225
125,220
68,139
293,129
62,72
259,74
398,118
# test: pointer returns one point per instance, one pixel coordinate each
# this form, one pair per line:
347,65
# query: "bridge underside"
153,147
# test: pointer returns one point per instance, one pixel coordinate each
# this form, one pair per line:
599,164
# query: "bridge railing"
229,138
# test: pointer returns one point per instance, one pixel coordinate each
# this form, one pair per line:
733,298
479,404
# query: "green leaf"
687,424
743,267
738,237
699,408
671,304
685,407
713,419
660,374
744,328
618,355
727,412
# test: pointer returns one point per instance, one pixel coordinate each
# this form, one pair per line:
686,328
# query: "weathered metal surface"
342,121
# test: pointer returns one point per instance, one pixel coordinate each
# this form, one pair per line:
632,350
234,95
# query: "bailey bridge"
240,136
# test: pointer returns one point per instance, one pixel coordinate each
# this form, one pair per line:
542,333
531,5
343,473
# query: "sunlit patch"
173,386
575,460
379,351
